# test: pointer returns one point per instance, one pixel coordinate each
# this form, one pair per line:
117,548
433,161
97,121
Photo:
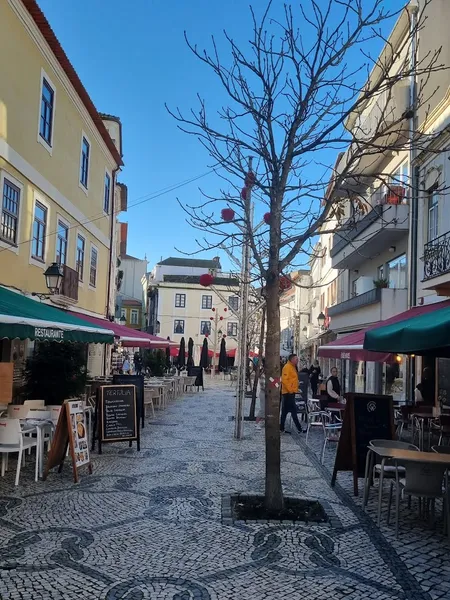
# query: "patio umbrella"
182,355
204,354
168,356
190,358
223,362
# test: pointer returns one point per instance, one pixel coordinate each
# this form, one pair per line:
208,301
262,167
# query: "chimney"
123,238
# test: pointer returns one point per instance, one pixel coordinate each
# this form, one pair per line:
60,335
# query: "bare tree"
305,84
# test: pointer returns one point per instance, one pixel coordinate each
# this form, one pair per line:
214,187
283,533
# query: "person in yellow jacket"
289,387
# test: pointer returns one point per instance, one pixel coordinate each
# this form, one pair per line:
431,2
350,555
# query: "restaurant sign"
48,333
345,355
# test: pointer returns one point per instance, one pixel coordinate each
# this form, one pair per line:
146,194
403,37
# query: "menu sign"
367,417
118,413
79,433
138,382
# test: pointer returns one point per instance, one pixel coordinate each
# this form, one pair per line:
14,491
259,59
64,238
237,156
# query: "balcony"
436,258
68,294
358,241
372,306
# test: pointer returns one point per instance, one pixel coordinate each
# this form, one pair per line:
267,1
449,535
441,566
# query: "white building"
294,313
179,306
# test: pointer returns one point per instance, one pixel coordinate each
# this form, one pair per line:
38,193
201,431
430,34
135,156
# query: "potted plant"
56,371
382,282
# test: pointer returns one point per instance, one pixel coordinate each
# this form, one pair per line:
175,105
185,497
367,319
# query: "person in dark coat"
314,376
426,388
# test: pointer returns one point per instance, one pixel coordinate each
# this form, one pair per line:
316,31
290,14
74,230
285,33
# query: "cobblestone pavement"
148,525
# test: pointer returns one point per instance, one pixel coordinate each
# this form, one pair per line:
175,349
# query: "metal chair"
425,481
382,469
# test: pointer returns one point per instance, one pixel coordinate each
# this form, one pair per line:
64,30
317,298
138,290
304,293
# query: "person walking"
289,387
314,375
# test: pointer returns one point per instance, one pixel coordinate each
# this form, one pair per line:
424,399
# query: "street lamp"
53,277
321,320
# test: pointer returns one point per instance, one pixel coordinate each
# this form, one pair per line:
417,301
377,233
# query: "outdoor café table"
38,426
403,456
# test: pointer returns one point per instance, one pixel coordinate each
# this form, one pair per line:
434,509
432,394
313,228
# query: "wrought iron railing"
436,257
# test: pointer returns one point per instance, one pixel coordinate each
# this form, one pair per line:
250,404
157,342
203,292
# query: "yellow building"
58,165
59,160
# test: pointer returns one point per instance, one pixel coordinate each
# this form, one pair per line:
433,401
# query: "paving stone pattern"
149,525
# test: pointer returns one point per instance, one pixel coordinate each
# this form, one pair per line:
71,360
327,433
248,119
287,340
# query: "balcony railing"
347,235
437,257
370,297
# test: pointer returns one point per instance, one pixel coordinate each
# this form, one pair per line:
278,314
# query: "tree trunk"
274,491
251,415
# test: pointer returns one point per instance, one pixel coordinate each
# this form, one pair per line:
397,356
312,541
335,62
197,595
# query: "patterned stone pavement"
148,525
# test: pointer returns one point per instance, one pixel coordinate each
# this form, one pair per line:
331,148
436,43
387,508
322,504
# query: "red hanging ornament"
224,336
206,279
250,179
267,217
206,335
244,193
213,309
285,283
225,309
227,214
221,318
211,318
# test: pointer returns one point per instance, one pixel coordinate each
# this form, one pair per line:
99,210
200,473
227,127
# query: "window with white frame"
180,300
134,316
81,246
47,112
84,162
178,326
10,213
93,267
107,193
205,327
433,215
123,313
232,329
233,302
39,232
207,302
396,272
62,239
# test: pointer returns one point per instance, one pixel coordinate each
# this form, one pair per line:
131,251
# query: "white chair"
149,395
18,411
12,439
331,431
34,404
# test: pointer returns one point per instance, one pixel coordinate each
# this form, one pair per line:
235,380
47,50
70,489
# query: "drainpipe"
413,10
111,254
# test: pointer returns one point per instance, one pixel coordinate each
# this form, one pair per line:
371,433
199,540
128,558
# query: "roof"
175,261
195,279
44,27
129,257
131,302
24,318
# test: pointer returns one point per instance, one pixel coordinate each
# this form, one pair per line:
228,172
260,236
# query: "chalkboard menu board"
117,414
138,381
196,372
303,385
443,382
367,417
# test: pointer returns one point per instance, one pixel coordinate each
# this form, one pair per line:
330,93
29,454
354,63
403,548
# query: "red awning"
232,353
129,337
351,346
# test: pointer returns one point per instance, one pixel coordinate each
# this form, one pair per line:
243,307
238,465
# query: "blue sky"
132,58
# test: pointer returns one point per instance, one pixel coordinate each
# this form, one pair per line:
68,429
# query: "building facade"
179,306
58,169
295,314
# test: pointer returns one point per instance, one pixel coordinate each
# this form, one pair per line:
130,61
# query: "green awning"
427,335
24,318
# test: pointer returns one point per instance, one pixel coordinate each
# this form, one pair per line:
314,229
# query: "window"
233,302
232,329
399,179
207,302
10,212
123,313
134,316
47,108
433,215
107,193
81,244
61,243
178,326
84,166
380,272
396,272
93,267
39,232
205,327
180,300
